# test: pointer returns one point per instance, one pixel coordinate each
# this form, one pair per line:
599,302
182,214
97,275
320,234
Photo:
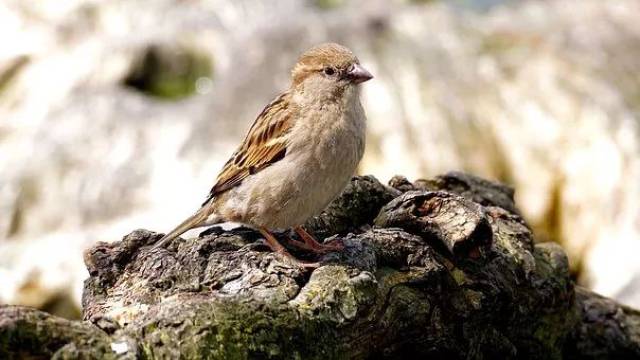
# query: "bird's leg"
310,243
274,245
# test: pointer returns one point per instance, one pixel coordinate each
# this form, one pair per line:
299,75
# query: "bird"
297,157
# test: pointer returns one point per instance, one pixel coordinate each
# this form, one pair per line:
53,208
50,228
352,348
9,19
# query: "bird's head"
327,70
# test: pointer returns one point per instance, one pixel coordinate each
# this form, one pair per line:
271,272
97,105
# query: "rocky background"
118,115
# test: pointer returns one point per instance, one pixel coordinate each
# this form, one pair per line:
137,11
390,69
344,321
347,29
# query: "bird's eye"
329,71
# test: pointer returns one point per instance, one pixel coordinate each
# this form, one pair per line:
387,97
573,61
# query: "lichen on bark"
441,268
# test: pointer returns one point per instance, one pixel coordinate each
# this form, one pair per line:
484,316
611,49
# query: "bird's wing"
265,144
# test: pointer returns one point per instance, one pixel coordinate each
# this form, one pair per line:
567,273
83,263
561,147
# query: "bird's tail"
193,221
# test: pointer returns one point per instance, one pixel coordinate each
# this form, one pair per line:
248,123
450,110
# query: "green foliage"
169,73
328,4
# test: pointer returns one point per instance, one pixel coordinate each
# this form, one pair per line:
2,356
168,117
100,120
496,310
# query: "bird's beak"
357,74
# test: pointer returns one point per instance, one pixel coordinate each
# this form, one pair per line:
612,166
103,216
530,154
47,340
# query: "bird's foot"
319,250
276,247
309,243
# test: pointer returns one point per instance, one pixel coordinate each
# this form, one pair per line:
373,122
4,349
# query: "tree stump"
442,268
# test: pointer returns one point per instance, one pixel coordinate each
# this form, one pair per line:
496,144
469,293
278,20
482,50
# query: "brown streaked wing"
264,145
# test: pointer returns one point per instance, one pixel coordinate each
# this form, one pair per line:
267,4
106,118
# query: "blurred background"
117,115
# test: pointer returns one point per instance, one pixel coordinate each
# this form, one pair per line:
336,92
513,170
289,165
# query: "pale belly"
296,188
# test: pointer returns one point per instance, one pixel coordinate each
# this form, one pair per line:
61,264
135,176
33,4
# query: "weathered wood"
426,271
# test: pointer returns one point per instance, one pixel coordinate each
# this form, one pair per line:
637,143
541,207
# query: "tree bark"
444,268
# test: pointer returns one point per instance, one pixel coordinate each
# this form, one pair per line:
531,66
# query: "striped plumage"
299,153
264,144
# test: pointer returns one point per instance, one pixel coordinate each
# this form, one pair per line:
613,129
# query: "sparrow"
298,155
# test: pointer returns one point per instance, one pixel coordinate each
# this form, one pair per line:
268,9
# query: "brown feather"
266,141
321,74
318,57
264,144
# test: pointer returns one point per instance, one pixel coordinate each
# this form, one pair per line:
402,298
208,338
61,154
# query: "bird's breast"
323,152
333,147
330,140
